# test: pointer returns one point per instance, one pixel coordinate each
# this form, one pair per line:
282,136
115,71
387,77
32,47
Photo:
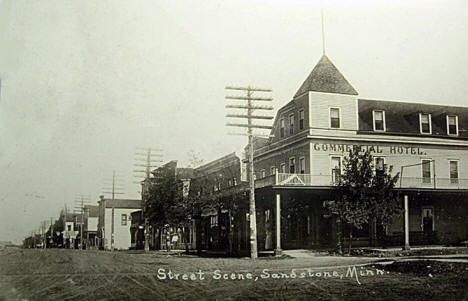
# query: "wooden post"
278,225
407,246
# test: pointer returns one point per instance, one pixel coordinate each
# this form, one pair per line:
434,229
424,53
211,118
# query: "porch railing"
292,179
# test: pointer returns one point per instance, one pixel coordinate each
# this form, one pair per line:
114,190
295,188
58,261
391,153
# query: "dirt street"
58,274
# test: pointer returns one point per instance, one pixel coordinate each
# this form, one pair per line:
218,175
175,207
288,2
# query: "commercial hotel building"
297,168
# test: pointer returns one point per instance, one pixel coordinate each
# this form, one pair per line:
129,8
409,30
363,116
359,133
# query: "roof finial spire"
323,28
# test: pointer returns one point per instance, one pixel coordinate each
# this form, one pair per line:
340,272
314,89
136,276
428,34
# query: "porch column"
407,246
278,225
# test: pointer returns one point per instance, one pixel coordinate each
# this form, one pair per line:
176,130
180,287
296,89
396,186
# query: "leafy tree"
161,200
363,195
386,203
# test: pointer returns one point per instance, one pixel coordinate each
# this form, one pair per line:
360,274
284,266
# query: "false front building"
114,222
297,168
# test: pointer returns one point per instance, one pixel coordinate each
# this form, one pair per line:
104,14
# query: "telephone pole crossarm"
247,116
246,98
256,126
252,89
249,107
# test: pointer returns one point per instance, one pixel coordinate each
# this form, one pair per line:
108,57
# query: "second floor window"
292,165
282,128
453,172
425,123
452,125
302,165
335,169
262,174
291,124
426,171
379,120
124,220
335,118
273,170
234,181
283,168
301,119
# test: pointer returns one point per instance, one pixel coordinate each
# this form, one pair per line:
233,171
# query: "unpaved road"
58,274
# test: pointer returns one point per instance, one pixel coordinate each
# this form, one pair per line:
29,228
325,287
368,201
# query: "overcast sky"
86,82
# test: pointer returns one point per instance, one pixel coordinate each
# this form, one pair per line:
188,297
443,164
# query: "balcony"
307,180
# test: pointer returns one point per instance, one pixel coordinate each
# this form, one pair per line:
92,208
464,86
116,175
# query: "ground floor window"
427,219
214,221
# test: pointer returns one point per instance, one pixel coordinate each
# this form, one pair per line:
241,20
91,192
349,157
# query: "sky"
85,83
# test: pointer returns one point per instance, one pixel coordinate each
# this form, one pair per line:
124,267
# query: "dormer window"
282,128
335,118
425,125
379,120
452,125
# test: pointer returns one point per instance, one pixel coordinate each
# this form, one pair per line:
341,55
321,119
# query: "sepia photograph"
233,150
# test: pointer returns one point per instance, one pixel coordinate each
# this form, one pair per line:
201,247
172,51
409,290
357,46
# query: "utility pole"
149,160
249,108
65,230
51,232
42,229
80,199
115,189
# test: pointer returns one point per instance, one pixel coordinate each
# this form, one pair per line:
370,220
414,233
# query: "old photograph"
233,150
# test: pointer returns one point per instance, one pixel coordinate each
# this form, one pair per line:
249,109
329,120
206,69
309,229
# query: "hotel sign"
377,149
